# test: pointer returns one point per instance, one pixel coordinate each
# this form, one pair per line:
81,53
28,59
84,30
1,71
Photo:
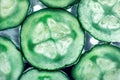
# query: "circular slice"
11,64
51,39
100,63
12,12
57,3
101,18
34,74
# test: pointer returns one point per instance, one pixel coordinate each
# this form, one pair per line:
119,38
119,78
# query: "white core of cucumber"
4,64
105,64
97,11
7,7
63,45
51,50
47,49
110,22
57,31
40,33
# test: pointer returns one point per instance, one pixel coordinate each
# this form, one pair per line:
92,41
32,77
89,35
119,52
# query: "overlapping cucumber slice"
34,74
100,63
58,3
51,39
11,64
101,18
12,12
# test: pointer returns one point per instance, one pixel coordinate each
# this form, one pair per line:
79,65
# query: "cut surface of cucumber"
11,64
51,39
43,75
101,18
57,3
12,12
100,63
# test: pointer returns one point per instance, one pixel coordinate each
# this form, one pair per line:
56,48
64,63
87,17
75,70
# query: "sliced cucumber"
11,64
101,63
101,18
57,3
51,39
12,12
43,75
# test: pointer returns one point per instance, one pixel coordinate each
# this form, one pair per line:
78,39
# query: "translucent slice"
57,47
11,64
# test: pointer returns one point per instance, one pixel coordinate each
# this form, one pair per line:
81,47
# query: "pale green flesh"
52,40
103,19
7,7
99,66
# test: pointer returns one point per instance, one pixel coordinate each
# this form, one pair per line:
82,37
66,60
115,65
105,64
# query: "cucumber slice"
43,75
51,39
101,63
101,18
11,64
12,12
57,3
